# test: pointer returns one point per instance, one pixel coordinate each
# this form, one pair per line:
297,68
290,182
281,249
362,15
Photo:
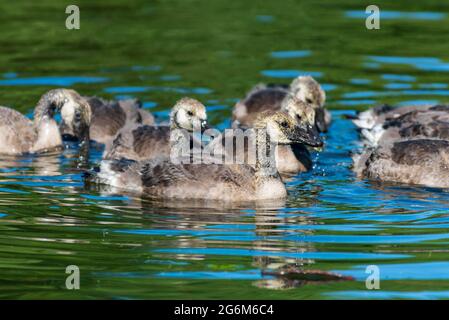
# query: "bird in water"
143,142
421,162
405,145
429,122
269,97
108,117
20,135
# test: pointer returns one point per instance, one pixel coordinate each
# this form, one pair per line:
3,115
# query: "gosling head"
283,129
189,114
298,110
307,89
76,114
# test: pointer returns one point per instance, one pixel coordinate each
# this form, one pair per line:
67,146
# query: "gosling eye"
53,107
284,124
77,116
190,113
308,100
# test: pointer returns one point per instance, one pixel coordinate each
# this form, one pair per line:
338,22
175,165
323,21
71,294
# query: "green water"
158,51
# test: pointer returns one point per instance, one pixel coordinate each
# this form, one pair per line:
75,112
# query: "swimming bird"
161,178
430,123
108,117
379,114
269,97
145,142
421,162
20,135
290,159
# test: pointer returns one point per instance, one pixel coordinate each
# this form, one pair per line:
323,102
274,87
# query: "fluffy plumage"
20,135
269,97
430,123
422,161
108,117
145,142
380,114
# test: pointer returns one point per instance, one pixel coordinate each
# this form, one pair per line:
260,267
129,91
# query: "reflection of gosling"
269,97
108,117
19,135
290,277
161,178
289,158
147,142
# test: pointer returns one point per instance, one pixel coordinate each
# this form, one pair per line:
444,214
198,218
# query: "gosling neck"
173,123
265,161
180,143
48,134
47,106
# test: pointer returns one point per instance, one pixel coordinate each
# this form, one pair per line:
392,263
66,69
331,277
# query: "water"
130,248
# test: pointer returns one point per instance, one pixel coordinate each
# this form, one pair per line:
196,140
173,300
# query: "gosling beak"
66,132
204,126
308,135
320,120
63,127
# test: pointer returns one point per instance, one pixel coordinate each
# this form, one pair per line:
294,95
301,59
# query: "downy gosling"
19,135
269,97
429,122
147,142
108,117
421,162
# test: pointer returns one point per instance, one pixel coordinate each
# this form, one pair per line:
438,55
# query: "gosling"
108,117
147,142
269,97
431,123
161,178
378,115
421,162
19,135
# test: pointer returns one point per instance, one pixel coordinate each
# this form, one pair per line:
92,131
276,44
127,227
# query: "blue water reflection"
403,271
374,294
51,81
286,74
291,54
123,90
296,255
385,14
420,63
